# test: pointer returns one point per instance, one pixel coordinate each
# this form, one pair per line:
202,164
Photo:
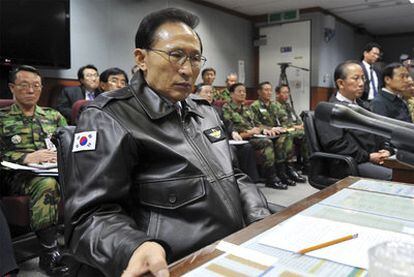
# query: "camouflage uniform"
268,116
243,120
410,104
20,135
288,119
223,95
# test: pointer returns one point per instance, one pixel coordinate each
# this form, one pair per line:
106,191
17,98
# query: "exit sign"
283,16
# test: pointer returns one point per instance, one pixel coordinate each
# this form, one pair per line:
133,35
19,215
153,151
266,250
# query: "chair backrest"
6,102
312,139
219,103
63,140
77,108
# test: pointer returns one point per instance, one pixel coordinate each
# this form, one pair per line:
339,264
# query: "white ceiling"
378,17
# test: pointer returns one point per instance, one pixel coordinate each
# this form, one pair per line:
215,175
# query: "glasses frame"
27,86
187,57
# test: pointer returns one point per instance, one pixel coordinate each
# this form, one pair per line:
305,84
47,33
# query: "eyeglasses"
116,81
90,75
179,57
26,86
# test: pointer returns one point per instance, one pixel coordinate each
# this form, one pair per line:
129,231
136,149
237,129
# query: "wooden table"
190,262
400,172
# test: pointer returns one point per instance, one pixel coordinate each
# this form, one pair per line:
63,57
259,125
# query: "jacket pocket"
172,194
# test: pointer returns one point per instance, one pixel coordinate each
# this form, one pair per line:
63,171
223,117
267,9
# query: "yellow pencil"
328,243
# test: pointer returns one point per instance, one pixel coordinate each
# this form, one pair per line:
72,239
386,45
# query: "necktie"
89,95
178,108
374,87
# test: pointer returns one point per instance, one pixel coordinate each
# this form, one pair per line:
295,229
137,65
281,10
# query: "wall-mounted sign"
285,49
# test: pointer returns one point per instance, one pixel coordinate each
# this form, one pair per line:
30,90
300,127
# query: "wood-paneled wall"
52,88
319,94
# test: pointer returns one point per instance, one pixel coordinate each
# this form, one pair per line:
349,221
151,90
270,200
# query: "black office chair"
63,141
325,168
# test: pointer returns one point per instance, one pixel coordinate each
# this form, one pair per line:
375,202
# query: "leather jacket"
154,176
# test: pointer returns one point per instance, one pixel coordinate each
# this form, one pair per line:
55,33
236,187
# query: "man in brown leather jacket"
150,177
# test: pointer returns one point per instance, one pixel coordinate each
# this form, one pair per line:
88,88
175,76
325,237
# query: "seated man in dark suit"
89,78
389,101
368,150
113,78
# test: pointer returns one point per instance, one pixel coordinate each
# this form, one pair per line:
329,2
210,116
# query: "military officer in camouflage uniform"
245,124
293,123
25,131
268,114
209,75
224,95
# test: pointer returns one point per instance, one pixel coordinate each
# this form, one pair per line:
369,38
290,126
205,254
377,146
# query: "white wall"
103,32
297,36
345,45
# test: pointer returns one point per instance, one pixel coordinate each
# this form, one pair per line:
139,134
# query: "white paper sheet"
300,232
39,171
237,142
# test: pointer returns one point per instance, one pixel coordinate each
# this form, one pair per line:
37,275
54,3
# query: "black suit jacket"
68,96
390,105
367,81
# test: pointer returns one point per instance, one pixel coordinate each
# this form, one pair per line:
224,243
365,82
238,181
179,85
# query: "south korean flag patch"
84,141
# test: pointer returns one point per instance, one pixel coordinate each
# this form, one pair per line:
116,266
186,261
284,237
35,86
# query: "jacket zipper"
205,161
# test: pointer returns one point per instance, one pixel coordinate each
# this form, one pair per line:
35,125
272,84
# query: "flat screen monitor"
35,32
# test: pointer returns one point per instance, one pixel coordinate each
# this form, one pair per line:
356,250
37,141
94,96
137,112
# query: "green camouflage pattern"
410,104
298,135
243,120
44,200
20,135
268,117
223,95
241,116
291,116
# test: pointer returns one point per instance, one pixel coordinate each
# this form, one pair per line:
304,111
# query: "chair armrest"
349,161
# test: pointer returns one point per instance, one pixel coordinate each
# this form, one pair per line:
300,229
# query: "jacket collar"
157,106
235,106
15,110
390,96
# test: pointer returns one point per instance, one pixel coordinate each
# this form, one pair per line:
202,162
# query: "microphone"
363,111
341,116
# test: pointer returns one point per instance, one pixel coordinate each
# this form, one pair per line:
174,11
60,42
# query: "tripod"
283,80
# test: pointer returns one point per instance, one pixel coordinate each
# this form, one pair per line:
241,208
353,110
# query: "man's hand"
385,153
254,131
279,130
269,132
149,257
41,156
299,127
236,136
377,157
